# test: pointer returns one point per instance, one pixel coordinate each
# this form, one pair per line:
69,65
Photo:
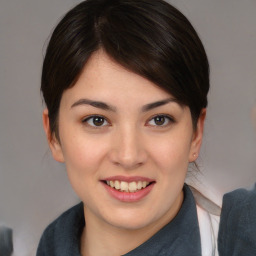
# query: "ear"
53,142
197,137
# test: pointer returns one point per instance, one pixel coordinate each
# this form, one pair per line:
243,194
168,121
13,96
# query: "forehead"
104,79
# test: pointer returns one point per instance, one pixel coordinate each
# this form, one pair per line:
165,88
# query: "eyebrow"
105,106
96,104
156,104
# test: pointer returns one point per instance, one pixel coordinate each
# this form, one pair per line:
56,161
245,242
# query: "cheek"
172,154
83,159
82,154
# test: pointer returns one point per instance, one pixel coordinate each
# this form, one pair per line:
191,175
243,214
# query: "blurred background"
34,189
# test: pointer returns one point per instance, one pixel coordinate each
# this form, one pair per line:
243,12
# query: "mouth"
129,187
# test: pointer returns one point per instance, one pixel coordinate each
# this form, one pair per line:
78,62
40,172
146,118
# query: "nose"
128,150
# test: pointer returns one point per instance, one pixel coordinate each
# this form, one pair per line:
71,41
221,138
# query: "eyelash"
93,118
167,121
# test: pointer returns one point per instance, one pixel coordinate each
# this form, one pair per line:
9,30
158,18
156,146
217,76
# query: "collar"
179,237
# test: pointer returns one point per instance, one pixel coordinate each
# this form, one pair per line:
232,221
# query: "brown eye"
160,120
96,121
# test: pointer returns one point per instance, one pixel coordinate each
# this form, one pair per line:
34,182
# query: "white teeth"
124,186
127,186
112,184
117,184
132,186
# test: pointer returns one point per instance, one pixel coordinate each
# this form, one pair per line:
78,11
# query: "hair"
150,38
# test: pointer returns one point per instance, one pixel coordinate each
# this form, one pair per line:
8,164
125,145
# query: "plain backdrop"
34,189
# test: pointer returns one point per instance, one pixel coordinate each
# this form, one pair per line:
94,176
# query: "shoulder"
59,233
237,232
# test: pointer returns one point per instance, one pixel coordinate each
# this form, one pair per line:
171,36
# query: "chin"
130,220
129,224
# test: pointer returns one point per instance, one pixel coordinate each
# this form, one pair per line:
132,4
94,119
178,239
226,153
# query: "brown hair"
150,38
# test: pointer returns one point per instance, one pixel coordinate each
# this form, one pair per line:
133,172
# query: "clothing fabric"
237,232
180,237
62,237
209,226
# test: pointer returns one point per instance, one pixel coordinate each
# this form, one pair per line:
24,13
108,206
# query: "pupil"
159,120
98,121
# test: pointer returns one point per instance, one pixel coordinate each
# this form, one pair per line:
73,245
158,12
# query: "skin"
129,142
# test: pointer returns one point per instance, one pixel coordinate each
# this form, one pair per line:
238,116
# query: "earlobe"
198,136
53,142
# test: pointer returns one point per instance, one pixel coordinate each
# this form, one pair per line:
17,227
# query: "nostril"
127,163
127,151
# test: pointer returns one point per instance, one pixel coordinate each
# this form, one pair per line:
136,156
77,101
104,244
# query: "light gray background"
34,189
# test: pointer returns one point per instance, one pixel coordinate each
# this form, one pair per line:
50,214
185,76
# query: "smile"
124,186
128,189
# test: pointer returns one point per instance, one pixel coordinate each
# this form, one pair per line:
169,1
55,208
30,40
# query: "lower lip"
129,196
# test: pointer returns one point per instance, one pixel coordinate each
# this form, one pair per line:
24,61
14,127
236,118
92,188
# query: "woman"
125,84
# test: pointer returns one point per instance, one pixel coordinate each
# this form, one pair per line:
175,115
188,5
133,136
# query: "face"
126,144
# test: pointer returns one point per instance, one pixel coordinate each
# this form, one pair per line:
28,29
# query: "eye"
160,120
96,121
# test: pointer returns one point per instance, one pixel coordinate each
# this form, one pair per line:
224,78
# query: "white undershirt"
209,226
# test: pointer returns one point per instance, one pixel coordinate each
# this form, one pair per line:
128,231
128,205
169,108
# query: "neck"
101,238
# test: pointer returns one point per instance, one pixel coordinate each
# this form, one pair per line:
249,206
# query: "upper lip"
128,178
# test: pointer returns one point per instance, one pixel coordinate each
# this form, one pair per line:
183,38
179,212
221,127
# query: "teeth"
139,185
132,186
124,186
117,184
127,186
112,184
